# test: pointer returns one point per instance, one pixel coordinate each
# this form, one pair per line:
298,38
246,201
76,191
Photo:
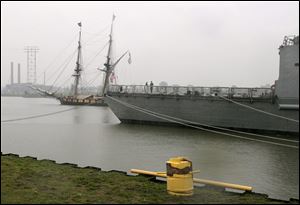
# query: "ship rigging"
109,68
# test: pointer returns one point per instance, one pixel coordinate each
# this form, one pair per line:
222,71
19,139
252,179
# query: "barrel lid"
179,162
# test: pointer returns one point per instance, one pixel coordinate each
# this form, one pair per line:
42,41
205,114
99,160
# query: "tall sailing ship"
76,98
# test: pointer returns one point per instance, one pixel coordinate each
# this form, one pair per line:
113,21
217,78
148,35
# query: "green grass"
27,180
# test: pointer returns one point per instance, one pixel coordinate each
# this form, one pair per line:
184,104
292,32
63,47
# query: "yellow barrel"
179,176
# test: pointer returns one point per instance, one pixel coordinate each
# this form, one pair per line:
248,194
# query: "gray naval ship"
253,109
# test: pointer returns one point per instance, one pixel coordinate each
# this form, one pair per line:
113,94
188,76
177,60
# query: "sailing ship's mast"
78,64
108,64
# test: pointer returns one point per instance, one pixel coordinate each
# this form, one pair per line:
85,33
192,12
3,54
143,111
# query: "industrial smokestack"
11,72
19,73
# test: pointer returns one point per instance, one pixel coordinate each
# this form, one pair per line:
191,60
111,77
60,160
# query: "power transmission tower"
31,63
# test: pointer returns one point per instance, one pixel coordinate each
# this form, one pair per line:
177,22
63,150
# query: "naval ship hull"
208,110
271,109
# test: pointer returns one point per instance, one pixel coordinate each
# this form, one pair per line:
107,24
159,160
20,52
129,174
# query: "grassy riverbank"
27,180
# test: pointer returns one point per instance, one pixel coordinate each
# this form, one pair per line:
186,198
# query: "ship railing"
230,92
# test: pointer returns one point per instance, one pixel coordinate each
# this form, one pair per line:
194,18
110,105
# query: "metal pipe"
201,181
19,73
157,174
288,106
222,184
11,73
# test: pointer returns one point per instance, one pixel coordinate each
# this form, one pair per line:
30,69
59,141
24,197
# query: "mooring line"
257,110
200,128
41,115
220,128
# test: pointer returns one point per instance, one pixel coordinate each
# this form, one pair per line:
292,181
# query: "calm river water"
93,136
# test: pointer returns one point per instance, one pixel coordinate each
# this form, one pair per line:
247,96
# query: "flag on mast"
113,77
129,59
79,24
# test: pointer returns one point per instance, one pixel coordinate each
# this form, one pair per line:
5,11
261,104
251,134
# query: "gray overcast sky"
198,43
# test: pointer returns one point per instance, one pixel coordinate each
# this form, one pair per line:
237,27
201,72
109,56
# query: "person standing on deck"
146,87
151,86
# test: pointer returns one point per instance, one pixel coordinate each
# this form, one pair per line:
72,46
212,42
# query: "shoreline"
28,180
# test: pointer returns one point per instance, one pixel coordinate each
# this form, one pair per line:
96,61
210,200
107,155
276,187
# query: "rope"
200,128
93,80
37,116
55,59
220,128
274,115
61,65
91,60
95,42
66,65
62,84
95,35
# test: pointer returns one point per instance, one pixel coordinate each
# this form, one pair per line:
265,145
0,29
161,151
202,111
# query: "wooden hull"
90,102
